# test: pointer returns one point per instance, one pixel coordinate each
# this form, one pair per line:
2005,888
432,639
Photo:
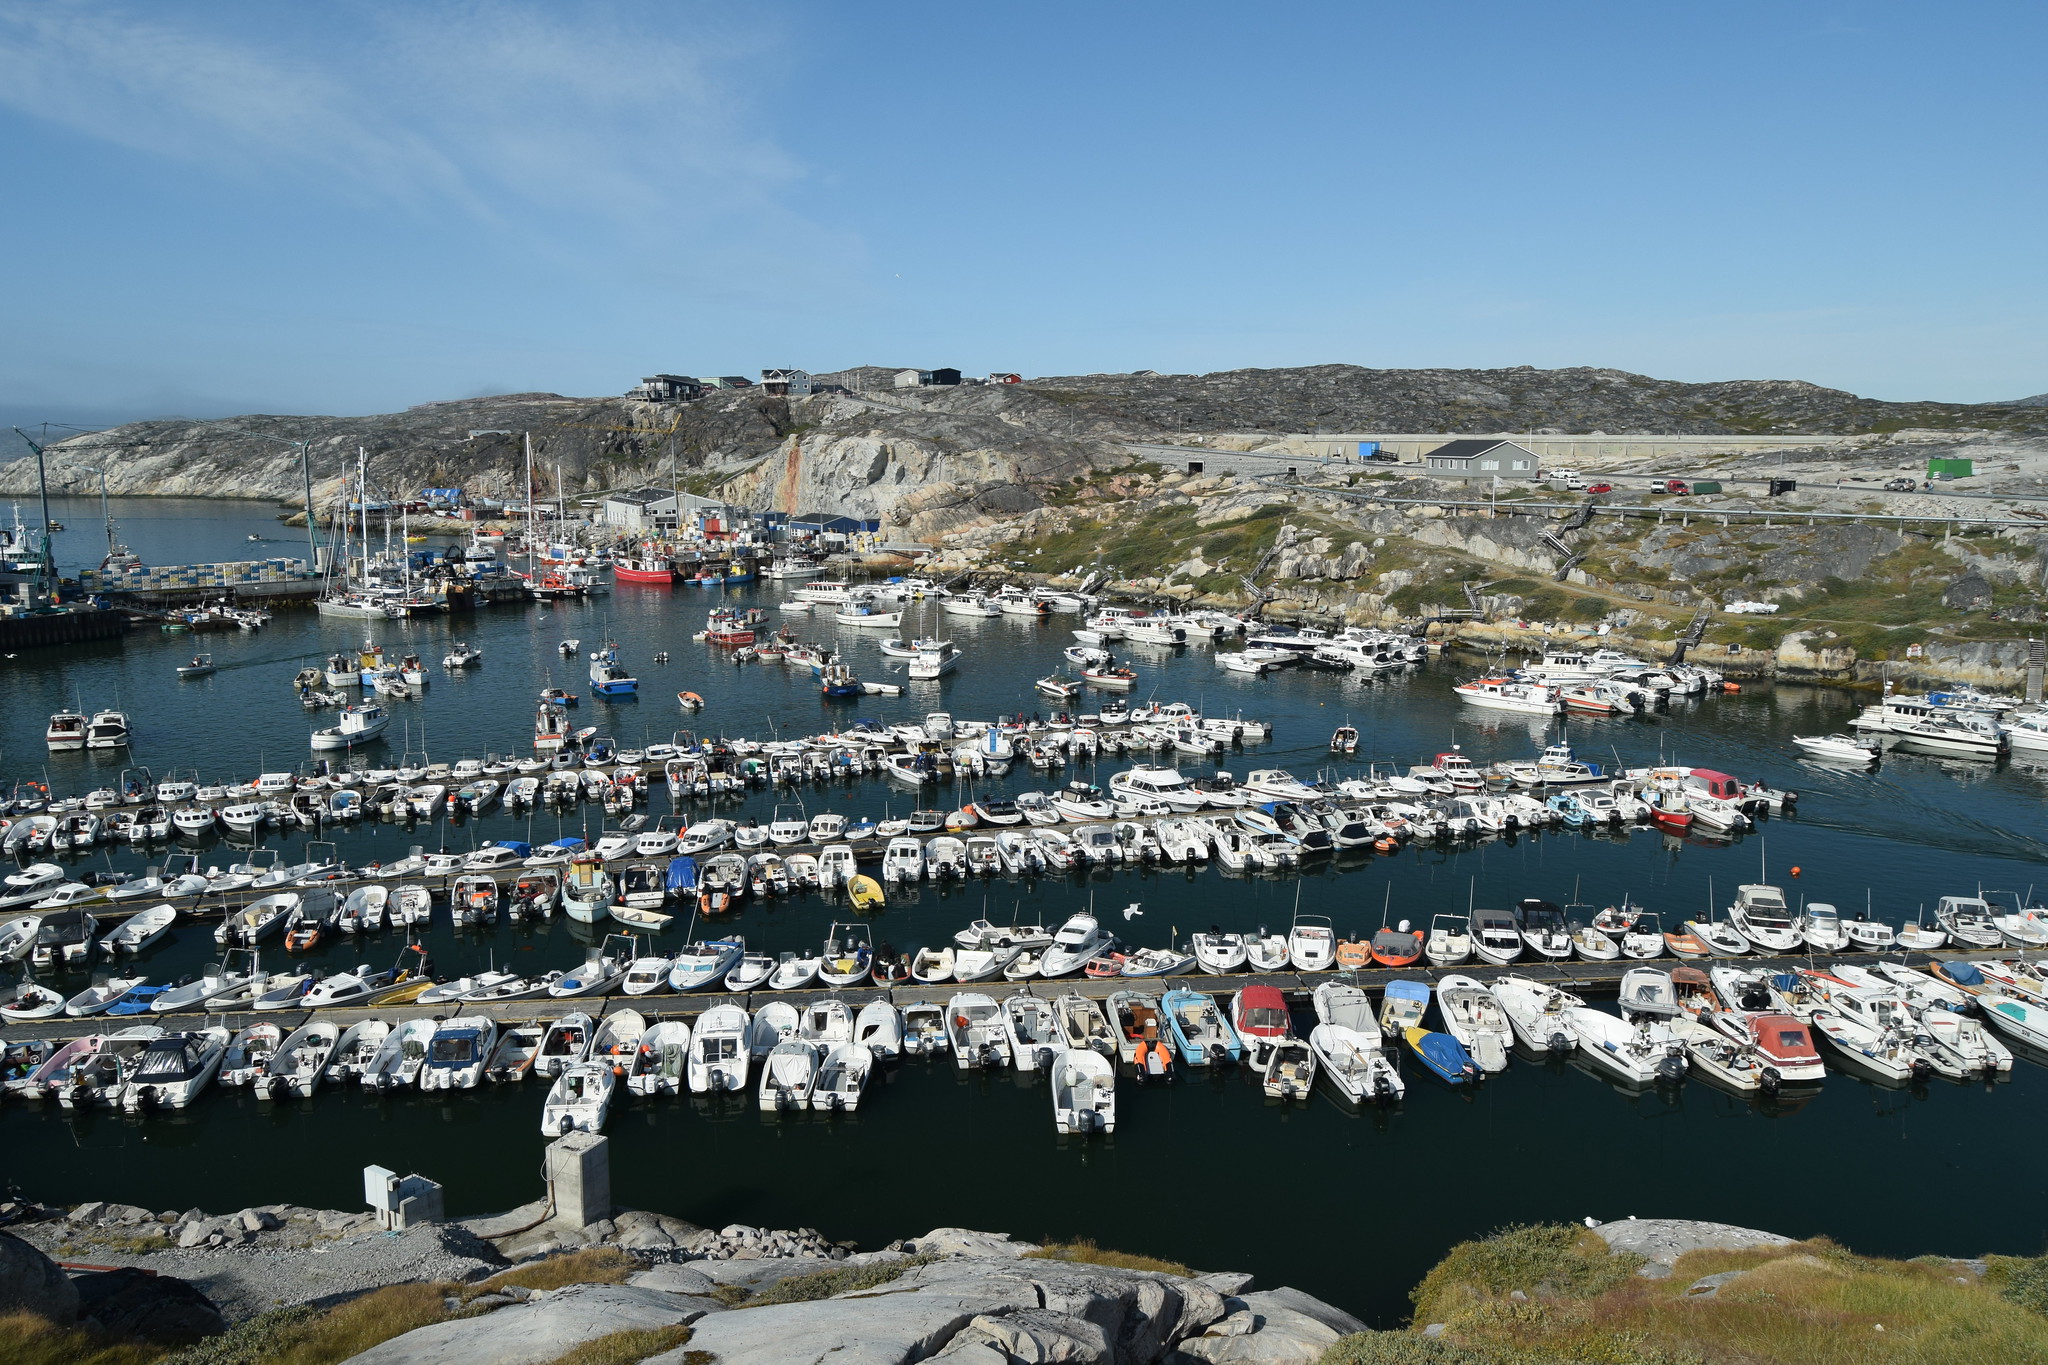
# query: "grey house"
1482,458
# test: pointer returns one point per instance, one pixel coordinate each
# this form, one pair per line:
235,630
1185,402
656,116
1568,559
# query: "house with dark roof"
1485,457
640,508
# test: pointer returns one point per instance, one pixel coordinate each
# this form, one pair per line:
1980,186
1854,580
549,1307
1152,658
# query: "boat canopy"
1963,974
1408,990
572,844
519,846
682,873
1713,783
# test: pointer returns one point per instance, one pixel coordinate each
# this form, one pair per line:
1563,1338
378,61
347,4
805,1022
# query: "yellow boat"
866,893
404,993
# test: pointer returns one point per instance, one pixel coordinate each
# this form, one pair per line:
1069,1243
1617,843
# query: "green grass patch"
825,1284
1085,1252
1549,1260
629,1347
27,1339
596,1265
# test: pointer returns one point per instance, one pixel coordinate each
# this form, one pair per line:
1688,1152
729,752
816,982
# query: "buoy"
1795,871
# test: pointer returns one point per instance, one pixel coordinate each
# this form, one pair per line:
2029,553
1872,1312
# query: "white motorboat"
1083,1092
1505,694
1495,937
1076,941
300,1062
1638,1054
1031,1030
697,965
579,1100
1449,941
719,1052
795,971
358,1046
1822,929
173,1069
1839,747
1761,916
511,1061
1476,1019
1311,944
32,1001
603,968
234,972
788,1076
841,1077
398,1060
94,999
1969,922
1218,953
1539,1013
879,1028
457,1051
975,1031
1288,1069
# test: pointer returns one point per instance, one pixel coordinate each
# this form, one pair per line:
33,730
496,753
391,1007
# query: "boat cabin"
1262,1013
1711,783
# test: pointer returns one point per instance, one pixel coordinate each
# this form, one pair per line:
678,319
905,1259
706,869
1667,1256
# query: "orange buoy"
1795,871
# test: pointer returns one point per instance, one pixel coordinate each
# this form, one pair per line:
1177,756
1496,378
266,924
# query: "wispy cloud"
627,115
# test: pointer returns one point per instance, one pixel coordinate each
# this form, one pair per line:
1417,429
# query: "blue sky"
352,207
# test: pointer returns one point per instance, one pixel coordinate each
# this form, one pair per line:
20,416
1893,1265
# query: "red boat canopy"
1262,1012
1713,783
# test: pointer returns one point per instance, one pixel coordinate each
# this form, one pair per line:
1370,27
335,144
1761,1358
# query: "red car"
1599,488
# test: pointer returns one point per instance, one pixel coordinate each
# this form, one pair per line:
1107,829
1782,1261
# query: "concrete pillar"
580,1178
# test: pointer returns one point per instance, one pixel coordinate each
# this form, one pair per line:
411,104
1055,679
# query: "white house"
794,383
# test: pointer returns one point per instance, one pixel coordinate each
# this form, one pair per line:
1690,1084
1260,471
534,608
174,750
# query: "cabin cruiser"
1760,915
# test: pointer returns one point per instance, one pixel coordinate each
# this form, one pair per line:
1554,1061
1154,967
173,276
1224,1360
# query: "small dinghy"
1289,1070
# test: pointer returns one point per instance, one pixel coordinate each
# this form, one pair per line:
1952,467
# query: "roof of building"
640,496
1471,447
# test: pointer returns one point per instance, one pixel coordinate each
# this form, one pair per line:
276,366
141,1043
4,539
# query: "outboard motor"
1671,1067
1771,1080
1560,1041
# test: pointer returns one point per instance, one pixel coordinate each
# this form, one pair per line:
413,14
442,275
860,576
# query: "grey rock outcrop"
30,1282
1663,1240
1270,1327
538,1330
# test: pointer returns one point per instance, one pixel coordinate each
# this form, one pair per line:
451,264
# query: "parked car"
1898,485
1599,488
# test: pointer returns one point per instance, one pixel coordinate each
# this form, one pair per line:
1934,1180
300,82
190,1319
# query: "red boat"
656,571
1668,810
1259,1014
1782,1041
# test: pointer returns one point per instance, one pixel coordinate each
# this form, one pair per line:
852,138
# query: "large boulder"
536,1331
159,1308
30,1282
1270,1327
1661,1241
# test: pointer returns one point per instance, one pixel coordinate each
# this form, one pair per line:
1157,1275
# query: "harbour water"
1352,1206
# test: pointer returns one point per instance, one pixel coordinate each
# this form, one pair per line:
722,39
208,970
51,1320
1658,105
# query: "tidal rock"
158,1308
90,1212
259,1220
30,1282
532,1332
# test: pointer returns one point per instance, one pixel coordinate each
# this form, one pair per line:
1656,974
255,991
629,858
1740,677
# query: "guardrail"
1766,515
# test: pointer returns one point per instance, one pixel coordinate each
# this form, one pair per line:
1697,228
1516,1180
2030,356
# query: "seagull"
1131,911
1591,1221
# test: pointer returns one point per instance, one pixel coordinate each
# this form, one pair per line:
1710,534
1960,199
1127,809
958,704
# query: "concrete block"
579,1177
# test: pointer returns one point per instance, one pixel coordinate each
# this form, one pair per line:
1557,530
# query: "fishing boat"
359,724
607,677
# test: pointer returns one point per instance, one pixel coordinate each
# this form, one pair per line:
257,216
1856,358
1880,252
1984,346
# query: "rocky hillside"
1352,398
930,461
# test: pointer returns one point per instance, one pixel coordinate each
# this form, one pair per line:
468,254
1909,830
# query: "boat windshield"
453,1051
1265,1020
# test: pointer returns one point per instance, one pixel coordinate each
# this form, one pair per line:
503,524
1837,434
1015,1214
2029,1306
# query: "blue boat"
837,680
682,876
137,1000
1201,1031
1444,1055
607,679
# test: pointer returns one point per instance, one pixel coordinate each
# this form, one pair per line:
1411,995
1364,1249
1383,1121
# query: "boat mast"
529,509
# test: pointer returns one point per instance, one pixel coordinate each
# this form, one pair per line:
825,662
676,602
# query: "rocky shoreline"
952,1294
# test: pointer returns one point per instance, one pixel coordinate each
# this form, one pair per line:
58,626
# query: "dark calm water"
1353,1206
